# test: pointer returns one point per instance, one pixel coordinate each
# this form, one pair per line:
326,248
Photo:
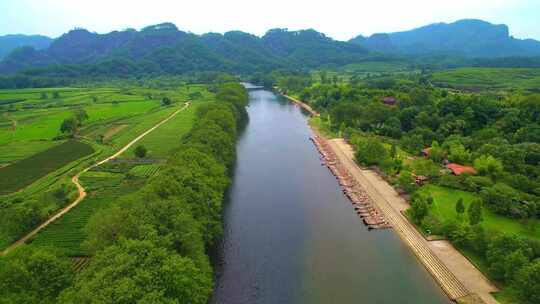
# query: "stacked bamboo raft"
362,203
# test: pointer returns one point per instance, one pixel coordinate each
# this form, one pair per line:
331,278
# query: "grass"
476,79
444,207
22,173
160,141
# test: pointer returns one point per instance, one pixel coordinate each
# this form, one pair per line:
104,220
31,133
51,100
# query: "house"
391,101
458,169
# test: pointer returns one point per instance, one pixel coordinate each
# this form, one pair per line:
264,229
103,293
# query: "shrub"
140,151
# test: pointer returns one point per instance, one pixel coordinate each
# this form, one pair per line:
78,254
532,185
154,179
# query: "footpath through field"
80,188
470,287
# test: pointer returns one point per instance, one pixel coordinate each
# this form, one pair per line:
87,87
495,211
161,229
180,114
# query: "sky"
338,19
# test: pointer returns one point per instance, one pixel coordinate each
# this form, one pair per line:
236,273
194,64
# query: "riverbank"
375,200
302,104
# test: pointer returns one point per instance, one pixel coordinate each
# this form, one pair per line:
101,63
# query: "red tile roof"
458,169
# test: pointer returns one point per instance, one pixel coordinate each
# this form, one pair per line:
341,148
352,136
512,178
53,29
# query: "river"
290,234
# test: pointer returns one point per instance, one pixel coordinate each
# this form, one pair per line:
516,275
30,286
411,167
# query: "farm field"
68,233
160,142
444,207
477,79
22,173
115,117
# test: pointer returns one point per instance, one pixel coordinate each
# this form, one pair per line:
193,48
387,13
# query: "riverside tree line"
150,246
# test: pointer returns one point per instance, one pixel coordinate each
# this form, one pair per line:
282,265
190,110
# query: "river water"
290,234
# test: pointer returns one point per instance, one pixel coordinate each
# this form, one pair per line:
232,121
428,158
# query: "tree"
140,272
475,212
436,152
44,95
419,209
33,275
527,283
499,250
489,165
140,151
80,116
393,150
460,208
166,101
458,154
69,125
370,151
56,95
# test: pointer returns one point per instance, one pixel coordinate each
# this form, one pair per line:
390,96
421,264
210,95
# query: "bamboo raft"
362,204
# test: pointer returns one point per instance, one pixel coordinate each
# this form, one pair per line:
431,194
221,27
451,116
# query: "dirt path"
454,273
80,188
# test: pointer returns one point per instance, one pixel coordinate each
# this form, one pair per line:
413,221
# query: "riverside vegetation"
153,242
493,216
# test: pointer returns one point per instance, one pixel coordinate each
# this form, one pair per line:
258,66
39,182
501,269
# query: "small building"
426,151
458,169
389,100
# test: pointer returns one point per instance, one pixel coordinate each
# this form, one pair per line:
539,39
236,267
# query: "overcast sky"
338,19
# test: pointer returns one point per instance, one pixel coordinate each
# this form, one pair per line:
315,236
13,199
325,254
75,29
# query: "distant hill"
163,48
467,38
10,42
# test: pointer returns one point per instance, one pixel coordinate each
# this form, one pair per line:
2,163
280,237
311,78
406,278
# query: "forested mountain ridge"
163,48
468,37
10,42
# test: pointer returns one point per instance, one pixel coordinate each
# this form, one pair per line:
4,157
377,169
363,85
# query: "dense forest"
414,134
150,246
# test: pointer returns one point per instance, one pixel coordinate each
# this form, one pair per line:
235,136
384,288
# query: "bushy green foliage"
370,151
134,271
33,275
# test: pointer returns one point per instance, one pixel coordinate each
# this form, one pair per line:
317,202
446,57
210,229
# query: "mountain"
467,38
10,42
163,48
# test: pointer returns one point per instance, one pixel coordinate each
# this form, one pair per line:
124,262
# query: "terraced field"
68,233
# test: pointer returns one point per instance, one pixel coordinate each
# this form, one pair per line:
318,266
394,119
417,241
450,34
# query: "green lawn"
445,203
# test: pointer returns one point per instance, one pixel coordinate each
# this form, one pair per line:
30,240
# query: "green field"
376,67
444,207
22,173
160,142
477,79
41,163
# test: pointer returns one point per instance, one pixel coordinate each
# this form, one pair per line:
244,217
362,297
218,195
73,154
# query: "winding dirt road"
80,188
